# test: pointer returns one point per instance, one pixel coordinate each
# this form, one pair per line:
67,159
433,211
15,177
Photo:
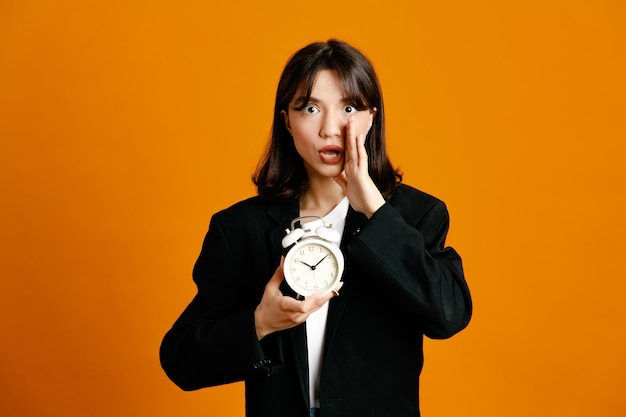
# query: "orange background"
125,124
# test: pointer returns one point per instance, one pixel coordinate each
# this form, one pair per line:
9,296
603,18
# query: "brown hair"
280,173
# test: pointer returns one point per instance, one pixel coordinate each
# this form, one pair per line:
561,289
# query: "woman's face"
318,127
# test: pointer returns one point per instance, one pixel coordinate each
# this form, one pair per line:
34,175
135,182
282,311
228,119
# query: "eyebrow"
301,100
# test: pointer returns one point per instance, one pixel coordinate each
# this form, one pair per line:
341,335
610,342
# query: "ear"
373,112
285,116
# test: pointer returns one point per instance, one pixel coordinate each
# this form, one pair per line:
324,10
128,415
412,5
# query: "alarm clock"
313,263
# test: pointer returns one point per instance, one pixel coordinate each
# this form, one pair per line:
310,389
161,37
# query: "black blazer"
400,283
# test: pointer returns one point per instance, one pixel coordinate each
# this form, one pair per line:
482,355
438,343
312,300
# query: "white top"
316,322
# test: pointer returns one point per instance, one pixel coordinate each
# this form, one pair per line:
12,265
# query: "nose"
333,125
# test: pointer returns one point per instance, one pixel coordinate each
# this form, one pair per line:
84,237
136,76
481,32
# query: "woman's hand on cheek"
355,180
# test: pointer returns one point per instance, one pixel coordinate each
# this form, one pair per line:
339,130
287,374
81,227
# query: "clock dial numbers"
312,267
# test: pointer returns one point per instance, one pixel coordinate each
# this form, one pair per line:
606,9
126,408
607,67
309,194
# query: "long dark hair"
281,173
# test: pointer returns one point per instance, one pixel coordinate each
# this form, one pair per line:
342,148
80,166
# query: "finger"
314,302
335,291
362,153
351,147
278,276
292,305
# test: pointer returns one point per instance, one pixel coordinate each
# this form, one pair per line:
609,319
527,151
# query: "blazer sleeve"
214,340
408,260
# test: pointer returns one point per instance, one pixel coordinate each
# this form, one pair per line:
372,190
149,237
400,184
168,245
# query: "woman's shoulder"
253,208
249,204
406,194
415,205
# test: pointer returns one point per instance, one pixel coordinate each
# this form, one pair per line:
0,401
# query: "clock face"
313,266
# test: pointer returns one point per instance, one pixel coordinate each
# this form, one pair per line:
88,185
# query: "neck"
321,198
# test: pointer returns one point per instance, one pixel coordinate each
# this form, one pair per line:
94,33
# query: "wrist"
373,208
261,330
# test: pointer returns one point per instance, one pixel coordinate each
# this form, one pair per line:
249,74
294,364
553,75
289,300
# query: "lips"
331,154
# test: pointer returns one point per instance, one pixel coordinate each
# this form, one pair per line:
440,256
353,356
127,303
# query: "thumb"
278,276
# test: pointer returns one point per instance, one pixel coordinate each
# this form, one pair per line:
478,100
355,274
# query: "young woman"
354,354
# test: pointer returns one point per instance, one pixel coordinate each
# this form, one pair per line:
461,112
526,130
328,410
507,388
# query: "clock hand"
314,266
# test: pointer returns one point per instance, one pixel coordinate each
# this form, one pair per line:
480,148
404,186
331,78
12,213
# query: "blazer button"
265,366
356,232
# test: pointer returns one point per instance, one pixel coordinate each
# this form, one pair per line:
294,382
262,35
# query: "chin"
326,170
332,171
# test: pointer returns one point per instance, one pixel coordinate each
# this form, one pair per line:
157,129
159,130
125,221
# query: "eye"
310,109
349,109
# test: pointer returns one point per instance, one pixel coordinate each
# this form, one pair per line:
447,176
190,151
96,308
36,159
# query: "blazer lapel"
283,214
354,222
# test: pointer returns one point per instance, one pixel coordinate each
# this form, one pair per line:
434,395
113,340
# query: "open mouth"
331,154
